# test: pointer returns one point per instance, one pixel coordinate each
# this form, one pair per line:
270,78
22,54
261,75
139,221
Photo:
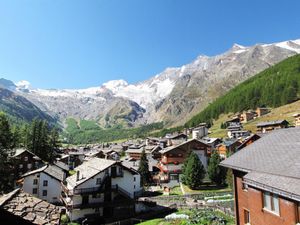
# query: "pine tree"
5,145
216,173
194,172
144,169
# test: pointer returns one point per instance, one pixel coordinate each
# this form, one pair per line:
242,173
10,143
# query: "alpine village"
212,142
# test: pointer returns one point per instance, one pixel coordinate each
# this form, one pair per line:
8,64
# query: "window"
34,191
45,183
45,193
246,216
133,186
244,185
35,181
21,166
271,202
29,166
134,179
98,181
97,210
25,158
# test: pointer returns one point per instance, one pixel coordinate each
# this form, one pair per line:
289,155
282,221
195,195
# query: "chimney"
77,176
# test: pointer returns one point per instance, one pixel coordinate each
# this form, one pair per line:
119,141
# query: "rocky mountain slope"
17,107
172,96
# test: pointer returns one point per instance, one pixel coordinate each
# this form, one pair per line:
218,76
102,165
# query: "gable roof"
20,151
88,170
174,136
271,123
52,171
277,153
251,137
165,150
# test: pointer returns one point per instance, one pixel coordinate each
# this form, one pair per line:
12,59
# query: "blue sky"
78,44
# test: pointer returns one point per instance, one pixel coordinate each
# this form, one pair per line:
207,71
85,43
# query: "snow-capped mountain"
173,96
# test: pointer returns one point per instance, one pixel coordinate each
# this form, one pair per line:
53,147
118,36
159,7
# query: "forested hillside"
275,86
83,131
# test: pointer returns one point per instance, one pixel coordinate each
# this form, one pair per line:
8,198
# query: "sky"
80,44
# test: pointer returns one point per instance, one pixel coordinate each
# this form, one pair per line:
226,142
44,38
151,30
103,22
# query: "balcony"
93,190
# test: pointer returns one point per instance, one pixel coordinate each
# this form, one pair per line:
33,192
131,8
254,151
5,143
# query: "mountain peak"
115,84
236,47
23,85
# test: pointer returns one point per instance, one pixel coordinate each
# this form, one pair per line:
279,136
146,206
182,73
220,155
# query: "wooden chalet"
173,157
269,126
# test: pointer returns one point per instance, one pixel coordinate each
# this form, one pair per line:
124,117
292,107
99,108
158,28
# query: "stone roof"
277,153
52,171
30,208
88,170
62,165
271,123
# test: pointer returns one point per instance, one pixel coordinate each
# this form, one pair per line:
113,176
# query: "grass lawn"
176,191
206,188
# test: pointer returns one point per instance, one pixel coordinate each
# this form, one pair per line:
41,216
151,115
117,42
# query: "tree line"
274,87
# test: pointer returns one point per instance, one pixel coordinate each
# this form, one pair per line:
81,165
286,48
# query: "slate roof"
52,171
62,165
281,185
20,151
88,170
271,123
277,153
30,208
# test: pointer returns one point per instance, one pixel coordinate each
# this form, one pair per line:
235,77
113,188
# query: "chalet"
235,119
199,132
212,142
239,134
233,127
24,161
269,126
20,208
176,139
266,176
262,111
73,158
247,116
150,141
136,153
228,147
44,183
248,141
297,119
173,157
101,189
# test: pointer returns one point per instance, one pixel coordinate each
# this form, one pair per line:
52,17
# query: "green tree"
194,172
6,143
229,178
216,173
40,141
144,169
